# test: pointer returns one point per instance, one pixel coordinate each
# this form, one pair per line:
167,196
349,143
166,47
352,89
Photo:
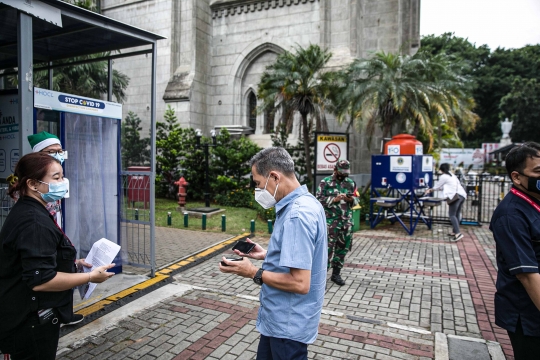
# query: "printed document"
102,253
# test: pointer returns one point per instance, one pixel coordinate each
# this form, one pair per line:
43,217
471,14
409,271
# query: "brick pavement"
173,244
423,281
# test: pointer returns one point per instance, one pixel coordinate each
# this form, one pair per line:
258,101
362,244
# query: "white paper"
102,253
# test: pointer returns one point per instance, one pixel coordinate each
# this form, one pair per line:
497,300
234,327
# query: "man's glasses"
53,152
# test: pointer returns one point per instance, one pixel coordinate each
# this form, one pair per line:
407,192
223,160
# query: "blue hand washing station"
399,179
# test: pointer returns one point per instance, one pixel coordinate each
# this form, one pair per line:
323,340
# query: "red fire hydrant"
182,192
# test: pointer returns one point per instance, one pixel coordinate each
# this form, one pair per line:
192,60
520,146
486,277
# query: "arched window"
252,111
269,116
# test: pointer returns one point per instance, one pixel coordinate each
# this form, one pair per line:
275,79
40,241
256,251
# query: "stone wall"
154,16
216,51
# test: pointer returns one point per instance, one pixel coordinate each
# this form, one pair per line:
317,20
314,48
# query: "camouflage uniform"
338,217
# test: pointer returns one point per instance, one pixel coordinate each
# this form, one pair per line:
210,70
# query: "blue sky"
497,23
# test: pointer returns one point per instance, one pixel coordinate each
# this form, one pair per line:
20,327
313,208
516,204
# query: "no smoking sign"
332,153
330,148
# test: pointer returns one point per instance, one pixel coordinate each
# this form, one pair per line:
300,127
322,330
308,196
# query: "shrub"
265,215
242,197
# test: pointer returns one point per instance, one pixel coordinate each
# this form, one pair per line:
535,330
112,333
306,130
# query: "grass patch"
238,219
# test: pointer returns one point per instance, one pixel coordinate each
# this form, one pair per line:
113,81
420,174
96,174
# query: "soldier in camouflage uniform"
336,194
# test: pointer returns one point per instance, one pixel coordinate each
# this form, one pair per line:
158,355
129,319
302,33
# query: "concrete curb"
441,347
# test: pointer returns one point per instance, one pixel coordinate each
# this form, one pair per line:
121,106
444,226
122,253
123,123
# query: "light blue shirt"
298,241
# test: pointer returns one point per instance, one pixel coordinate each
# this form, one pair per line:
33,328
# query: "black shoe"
77,318
457,237
336,278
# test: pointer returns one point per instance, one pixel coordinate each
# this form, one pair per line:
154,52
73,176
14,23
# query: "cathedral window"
252,111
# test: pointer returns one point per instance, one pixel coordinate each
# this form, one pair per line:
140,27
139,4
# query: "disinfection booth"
399,179
89,129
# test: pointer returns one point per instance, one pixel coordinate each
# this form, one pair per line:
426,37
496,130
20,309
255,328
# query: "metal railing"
135,222
484,193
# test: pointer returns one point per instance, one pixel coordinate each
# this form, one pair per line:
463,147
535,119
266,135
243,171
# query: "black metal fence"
484,193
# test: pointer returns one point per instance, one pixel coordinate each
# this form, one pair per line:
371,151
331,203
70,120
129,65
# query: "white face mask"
264,198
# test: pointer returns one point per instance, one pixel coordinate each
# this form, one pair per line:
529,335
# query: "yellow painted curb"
161,275
94,307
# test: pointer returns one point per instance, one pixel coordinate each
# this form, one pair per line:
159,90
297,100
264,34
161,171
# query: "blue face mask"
57,191
58,157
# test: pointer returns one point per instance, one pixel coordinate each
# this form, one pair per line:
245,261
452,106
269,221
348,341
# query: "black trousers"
525,347
32,340
271,348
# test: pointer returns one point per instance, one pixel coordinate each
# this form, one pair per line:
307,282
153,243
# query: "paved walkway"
173,244
401,294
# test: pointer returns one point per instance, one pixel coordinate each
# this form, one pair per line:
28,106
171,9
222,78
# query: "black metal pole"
206,195
480,189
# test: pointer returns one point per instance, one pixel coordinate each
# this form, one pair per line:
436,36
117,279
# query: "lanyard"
526,198
63,233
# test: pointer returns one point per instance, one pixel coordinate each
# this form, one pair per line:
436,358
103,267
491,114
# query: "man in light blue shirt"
293,274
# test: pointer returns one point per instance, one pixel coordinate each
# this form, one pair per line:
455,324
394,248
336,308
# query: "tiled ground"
423,281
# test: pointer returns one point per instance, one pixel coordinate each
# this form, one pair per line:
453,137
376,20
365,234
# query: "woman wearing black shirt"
37,264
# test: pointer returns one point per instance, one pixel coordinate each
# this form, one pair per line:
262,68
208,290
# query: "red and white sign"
332,153
330,148
489,147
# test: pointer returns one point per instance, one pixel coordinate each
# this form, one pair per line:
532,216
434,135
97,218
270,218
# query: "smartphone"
350,194
231,259
243,247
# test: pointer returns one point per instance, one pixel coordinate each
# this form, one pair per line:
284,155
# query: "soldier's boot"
336,278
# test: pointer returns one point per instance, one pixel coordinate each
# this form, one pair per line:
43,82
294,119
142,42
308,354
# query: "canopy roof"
83,32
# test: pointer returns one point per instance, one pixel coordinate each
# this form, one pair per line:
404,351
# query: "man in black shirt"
516,228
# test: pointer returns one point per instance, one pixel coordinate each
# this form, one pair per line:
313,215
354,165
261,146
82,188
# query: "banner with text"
53,100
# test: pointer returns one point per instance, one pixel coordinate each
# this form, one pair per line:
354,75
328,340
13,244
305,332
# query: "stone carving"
220,9
506,127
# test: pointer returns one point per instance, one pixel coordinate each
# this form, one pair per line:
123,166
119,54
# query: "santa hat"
41,140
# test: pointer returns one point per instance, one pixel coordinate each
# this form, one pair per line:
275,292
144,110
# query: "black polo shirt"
516,228
32,250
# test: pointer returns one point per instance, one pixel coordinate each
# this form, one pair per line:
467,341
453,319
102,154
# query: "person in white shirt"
451,186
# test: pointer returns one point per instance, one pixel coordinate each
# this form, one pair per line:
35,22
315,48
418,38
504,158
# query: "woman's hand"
258,253
100,274
428,191
81,262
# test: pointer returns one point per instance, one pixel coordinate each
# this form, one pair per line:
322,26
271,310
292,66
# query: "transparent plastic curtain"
91,211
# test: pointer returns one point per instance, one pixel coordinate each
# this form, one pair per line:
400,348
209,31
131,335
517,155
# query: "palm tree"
297,83
407,92
88,79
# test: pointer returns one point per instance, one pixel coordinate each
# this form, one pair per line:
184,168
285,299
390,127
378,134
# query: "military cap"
343,166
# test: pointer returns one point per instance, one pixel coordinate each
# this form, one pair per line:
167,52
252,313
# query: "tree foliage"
89,79
135,151
493,73
91,5
230,170
178,155
231,157
297,83
522,106
280,139
171,145
402,92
